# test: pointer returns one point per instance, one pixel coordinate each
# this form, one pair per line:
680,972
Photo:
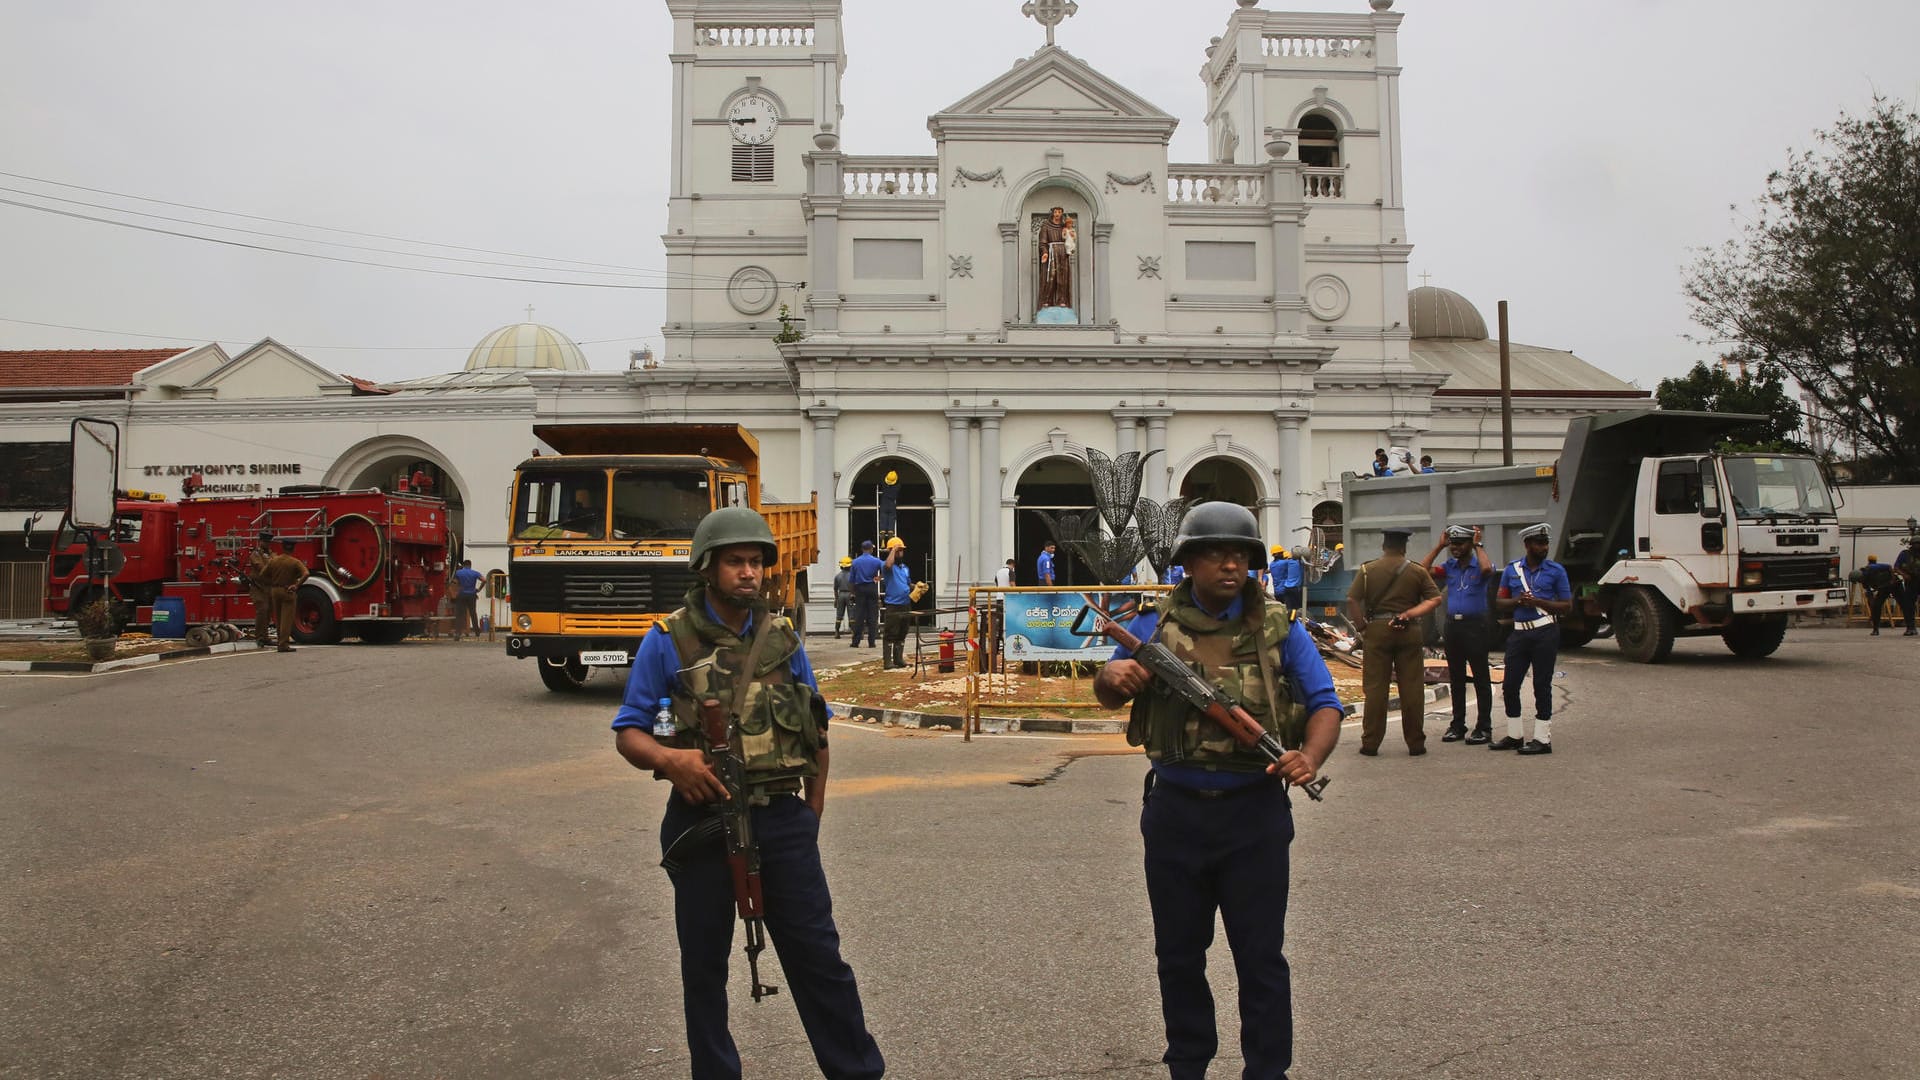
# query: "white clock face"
753,118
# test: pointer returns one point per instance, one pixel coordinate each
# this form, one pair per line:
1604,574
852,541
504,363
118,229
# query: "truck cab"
143,528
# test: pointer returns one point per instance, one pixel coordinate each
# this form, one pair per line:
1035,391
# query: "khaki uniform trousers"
262,615
1393,656
283,603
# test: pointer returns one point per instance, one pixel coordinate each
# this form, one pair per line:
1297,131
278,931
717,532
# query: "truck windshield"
1766,487
658,505
560,505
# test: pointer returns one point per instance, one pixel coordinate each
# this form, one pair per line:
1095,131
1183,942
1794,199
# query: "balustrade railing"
892,178
1297,47
749,36
1324,183
1216,185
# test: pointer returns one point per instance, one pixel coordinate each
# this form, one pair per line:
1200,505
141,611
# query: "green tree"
1824,284
1762,391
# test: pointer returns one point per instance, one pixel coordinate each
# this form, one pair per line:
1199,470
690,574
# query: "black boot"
1455,733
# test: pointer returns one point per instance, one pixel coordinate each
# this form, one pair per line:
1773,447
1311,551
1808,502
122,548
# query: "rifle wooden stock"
1202,695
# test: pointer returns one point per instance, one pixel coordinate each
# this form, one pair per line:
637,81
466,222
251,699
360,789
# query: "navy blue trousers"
800,924
866,616
1294,598
1467,651
1532,652
1225,855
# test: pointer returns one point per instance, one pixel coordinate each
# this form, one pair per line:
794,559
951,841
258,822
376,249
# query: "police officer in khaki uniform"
697,653
282,576
1215,822
257,591
1385,603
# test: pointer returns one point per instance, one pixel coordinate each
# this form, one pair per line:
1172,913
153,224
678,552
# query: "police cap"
1542,530
1459,532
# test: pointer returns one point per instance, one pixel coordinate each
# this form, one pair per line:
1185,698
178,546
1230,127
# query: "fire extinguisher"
946,652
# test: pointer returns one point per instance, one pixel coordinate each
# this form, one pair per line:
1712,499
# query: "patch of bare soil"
71,650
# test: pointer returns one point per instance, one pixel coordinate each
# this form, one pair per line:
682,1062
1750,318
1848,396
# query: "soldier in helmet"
1216,820
724,644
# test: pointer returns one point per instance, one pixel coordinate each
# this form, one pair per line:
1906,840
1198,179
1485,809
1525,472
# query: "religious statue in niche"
1059,243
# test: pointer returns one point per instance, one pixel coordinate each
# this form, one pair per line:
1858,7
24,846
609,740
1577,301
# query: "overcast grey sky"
1564,156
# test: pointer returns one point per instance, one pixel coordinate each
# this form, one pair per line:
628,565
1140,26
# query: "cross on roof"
529,312
1424,277
1049,13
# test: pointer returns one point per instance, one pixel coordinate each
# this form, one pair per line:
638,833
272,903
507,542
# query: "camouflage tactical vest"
779,732
1228,655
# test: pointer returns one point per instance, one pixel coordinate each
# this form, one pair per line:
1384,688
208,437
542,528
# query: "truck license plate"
1836,594
603,659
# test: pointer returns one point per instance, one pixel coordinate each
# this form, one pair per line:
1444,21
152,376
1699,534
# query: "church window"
753,164
1319,142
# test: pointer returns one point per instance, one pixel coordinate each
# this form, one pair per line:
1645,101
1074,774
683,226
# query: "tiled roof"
366,386
76,367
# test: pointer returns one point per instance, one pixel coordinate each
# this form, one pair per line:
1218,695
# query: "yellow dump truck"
601,533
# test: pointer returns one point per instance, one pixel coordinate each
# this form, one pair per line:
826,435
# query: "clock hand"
748,120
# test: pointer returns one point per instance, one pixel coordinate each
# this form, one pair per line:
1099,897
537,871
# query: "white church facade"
1044,281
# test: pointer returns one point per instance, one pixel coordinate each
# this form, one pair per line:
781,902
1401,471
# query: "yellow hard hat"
1339,547
892,477
846,561
1277,549
895,542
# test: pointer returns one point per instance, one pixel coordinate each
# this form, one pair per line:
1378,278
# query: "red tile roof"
364,386
76,367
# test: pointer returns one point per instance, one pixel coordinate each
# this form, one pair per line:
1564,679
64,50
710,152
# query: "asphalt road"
413,861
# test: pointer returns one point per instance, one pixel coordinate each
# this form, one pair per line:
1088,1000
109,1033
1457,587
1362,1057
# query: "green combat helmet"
1220,523
732,525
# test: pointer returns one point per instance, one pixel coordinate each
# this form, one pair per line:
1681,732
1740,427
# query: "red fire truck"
379,561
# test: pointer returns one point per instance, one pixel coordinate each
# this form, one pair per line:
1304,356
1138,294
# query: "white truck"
1660,535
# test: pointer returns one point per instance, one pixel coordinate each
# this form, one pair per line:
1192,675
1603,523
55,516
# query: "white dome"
1434,313
527,346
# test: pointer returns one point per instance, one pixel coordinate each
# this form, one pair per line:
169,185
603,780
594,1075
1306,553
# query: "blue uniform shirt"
468,580
1549,581
1466,585
899,584
1175,574
1287,574
1429,469
864,569
656,674
1043,567
1300,664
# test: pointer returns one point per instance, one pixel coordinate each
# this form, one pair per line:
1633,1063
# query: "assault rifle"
1201,694
733,820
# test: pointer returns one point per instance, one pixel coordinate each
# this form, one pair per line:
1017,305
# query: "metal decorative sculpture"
1159,525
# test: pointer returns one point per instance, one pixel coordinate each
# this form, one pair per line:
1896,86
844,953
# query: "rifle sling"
745,676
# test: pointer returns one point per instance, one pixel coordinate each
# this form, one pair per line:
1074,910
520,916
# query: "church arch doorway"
913,513
1221,479
1057,485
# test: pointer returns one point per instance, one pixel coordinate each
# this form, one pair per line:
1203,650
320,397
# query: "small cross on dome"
1049,13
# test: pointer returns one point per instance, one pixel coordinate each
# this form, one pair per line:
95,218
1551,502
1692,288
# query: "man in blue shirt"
466,599
1043,566
1381,466
1536,590
695,653
1463,580
1216,826
865,576
1426,464
1289,578
896,588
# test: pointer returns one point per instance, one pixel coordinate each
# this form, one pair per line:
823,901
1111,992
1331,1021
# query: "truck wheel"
381,633
1755,636
1643,624
313,621
564,678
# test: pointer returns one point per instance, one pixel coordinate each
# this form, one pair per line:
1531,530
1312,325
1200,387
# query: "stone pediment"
1053,94
268,369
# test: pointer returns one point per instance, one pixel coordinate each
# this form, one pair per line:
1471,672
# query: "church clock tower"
753,80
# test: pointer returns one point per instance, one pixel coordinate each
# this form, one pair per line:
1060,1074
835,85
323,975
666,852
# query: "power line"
321,228
353,247
303,348
367,262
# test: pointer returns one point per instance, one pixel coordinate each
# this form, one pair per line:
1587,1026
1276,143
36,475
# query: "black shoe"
1910,632
1535,746
1454,734
287,648
1876,632
1416,751
1364,752
1478,736
1508,743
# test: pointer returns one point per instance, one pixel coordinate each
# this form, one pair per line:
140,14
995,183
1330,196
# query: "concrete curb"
74,667
1002,725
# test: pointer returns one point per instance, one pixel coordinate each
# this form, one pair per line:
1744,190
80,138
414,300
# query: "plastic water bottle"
663,724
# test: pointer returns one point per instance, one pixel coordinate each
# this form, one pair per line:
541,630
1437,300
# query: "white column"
989,504
1125,430
824,419
1010,271
1292,474
1102,274
959,502
1156,479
